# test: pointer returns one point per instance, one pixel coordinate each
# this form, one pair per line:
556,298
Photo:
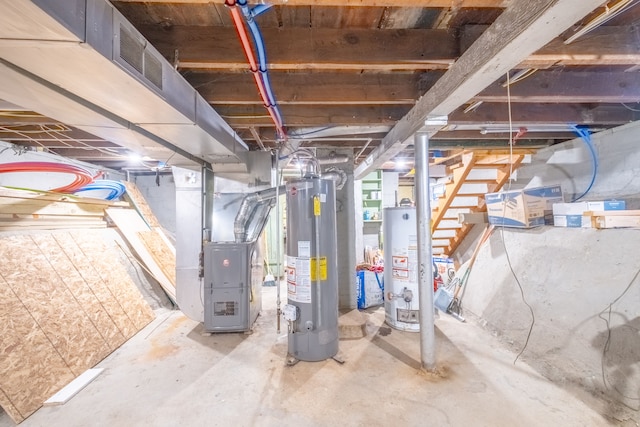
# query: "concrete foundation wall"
570,278
570,164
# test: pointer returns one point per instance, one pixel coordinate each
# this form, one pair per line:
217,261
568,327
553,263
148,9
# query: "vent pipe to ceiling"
249,206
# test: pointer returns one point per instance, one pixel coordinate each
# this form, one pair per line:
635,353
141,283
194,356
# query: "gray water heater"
312,277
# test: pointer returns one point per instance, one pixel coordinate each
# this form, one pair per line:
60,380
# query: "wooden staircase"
475,174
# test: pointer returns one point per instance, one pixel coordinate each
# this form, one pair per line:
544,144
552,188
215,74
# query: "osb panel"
31,369
83,294
141,204
49,302
116,278
5,403
107,299
160,252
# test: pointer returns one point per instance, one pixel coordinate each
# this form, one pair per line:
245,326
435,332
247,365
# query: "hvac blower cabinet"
312,278
232,286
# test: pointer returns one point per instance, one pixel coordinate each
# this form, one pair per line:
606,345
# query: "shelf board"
372,220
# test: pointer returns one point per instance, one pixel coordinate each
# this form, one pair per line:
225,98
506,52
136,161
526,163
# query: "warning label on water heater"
298,279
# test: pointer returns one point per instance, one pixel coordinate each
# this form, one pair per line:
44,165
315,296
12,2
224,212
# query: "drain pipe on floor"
425,259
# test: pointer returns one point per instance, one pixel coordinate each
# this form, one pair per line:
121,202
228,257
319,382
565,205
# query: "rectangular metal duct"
85,54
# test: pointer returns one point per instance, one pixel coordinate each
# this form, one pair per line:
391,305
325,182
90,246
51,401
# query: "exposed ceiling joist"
355,3
309,48
568,86
309,115
315,89
523,28
211,48
497,113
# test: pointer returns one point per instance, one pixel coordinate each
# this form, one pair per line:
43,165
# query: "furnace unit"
232,286
233,263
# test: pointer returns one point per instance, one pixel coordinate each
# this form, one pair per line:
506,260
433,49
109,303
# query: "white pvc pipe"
425,261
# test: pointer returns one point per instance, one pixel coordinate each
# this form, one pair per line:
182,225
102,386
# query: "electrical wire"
504,243
607,343
630,108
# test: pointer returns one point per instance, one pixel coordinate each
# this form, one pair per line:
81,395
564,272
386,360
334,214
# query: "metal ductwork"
82,63
253,213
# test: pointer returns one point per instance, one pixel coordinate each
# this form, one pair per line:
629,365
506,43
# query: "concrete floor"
173,374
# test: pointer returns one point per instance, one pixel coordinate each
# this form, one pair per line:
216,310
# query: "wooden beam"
218,48
355,3
313,89
307,48
568,86
307,115
522,29
475,135
585,114
605,45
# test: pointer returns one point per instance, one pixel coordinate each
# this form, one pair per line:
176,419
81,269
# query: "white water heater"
312,269
401,268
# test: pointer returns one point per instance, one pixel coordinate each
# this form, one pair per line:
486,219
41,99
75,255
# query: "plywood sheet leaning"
31,369
161,252
61,313
81,289
106,296
43,293
141,204
130,224
115,277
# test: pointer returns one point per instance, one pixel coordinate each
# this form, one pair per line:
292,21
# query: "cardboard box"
576,215
523,208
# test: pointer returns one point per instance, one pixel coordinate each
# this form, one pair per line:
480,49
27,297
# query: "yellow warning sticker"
316,205
322,268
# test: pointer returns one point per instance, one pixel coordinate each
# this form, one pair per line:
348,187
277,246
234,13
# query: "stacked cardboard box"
579,214
526,208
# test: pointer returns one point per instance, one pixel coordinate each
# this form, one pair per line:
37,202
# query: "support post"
425,261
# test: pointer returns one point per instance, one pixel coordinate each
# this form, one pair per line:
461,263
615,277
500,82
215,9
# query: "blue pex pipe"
258,42
115,188
586,137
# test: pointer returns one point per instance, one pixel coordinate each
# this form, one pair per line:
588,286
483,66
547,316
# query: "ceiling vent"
132,50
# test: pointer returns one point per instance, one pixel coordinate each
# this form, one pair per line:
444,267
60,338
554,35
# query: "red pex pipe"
246,46
82,176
